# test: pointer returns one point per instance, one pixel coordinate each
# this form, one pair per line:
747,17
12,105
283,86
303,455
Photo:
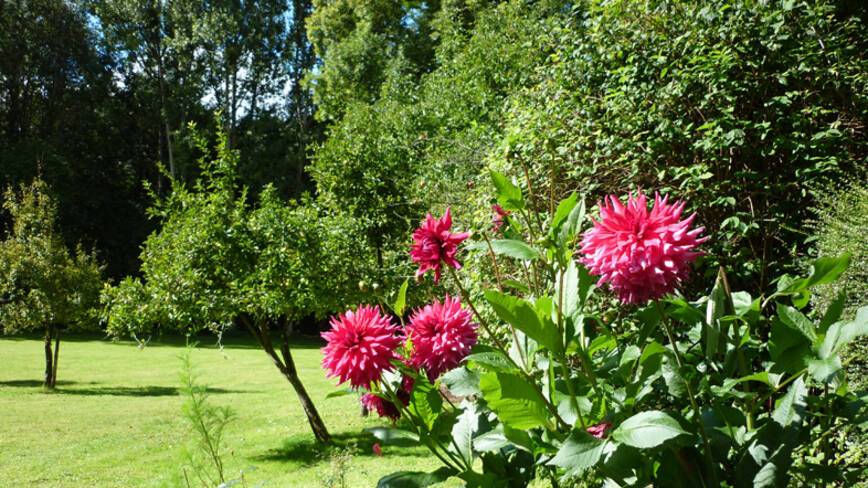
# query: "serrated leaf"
514,249
340,393
462,381
414,479
394,437
648,429
492,361
578,453
514,400
791,407
463,430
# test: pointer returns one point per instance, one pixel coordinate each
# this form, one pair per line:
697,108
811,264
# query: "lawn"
115,418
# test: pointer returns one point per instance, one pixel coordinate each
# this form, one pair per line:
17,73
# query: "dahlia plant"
582,359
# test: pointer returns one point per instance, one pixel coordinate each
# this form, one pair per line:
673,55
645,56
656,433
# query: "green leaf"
514,400
578,453
525,318
743,303
573,224
492,361
570,289
789,342
492,440
426,402
797,320
565,207
647,429
514,249
508,195
462,381
394,437
414,479
463,431
823,271
401,300
714,328
842,333
791,407
833,312
340,393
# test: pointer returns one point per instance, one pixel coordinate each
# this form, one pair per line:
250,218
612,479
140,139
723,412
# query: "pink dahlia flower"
384,407
434,244
361,345
442,335
599,430
642,255
499,218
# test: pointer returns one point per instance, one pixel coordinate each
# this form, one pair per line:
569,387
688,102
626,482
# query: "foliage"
726,390
43,285
747,109
219,261
97,93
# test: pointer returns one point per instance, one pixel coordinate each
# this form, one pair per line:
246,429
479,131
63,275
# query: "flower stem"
697,414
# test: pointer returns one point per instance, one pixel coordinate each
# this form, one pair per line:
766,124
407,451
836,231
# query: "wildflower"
434,244
361,345
499,218
642,255
599,430
442,334
384,408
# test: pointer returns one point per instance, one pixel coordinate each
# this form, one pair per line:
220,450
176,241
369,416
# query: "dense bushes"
747,109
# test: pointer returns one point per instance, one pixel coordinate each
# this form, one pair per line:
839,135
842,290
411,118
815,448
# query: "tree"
44,286
219,261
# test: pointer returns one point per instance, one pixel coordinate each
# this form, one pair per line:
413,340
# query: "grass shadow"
65,388
306,451
35,383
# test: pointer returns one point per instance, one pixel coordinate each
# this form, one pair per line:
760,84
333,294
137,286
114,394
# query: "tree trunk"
56,353
49,368
316,423
287,368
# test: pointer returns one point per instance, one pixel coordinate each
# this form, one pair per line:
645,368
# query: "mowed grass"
115,419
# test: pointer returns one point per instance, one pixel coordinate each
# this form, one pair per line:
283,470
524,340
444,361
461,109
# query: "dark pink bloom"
434,244
599,430
384,407
377,449
499,218
642,255
442,335
361,345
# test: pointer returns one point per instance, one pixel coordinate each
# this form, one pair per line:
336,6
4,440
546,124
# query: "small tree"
220,261
43,285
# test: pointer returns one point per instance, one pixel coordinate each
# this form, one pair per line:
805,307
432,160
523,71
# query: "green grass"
115,418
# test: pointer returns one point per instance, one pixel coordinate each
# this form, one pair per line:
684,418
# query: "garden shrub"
732,388
747,109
